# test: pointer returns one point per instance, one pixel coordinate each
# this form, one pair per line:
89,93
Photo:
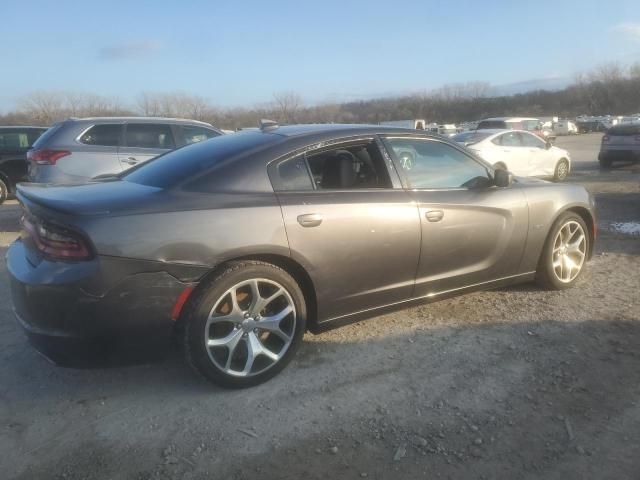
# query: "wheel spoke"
230,341
575,245
255,348
272,324
258,302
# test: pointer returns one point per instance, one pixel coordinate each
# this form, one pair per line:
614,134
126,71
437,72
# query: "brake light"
605,138
47,156
54,242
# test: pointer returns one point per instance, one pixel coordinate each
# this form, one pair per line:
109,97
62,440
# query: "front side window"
149,135
349,167
194,134
430,164
107,135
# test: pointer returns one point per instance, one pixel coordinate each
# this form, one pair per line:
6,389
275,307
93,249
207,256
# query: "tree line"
608,89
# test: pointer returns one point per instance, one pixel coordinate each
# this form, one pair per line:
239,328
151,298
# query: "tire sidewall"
546,274
4,191
205,300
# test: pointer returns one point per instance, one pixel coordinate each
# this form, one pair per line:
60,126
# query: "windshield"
179,165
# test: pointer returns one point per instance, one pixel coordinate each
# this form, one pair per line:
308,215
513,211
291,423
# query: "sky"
239,53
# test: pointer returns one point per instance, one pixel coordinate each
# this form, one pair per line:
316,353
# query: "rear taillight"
605,138
54,242
46,156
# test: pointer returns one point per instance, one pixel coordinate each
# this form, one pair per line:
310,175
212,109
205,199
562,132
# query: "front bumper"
63,304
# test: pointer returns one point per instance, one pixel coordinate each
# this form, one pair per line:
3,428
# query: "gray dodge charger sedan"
239,244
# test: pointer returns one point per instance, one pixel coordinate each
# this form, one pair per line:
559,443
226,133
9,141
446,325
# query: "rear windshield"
44,138
624,130
487,124
470,137
187,162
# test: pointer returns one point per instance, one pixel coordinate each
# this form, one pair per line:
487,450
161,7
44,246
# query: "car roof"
138,120
339,129
508,119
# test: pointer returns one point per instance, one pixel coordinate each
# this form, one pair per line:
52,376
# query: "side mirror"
502,178
549,144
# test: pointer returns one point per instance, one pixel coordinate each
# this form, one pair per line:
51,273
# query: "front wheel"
562,171
4,191
565,253
245,324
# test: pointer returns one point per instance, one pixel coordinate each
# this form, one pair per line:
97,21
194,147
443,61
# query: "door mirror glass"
502,178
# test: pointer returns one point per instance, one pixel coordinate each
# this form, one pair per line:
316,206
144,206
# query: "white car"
520,152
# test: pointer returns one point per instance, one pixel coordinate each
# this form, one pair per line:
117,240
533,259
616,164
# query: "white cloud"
630,30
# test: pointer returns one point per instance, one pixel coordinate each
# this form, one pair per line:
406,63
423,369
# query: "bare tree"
288,104
43,106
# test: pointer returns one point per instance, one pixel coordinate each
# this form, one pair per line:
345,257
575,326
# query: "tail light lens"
605,139
55,242
46,156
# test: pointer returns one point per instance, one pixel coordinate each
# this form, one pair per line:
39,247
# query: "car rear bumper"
619,154
65,305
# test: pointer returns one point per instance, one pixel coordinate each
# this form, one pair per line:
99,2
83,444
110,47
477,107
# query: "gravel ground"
512,383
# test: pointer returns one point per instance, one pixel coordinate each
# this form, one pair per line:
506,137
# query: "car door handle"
507,150
131,161
310,219
434,215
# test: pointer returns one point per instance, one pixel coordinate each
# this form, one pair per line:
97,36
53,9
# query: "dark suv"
14,143
79,149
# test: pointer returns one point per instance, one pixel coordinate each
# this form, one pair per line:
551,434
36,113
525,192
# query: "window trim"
406,184
333,144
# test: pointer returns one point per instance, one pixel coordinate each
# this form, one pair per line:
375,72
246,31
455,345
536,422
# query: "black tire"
4,191
212,293
561,172
545,275
605,163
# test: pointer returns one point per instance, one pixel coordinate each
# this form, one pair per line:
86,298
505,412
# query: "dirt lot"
513,383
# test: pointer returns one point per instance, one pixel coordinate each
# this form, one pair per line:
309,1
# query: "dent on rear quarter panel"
232,225
546,202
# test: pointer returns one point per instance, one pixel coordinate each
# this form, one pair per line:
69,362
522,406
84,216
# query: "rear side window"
149,135
510,139
529,140
292,175
107,135
200,163
13,140
194,134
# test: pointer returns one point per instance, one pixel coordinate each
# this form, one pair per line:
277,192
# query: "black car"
241,243
14,143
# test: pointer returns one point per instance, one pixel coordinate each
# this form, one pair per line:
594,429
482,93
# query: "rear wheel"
245,324
565,253
562,170
605,163
4,191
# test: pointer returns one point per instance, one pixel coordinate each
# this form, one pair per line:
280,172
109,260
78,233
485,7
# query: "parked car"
240,244
14,143
77,150
565,127
533,125
620,143
520,152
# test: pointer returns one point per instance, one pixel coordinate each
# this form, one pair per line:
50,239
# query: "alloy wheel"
563,170
250,327
569,251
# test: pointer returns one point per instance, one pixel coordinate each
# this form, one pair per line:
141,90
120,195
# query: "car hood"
89,198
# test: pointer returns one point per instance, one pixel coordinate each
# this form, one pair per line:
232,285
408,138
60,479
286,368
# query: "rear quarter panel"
547,201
